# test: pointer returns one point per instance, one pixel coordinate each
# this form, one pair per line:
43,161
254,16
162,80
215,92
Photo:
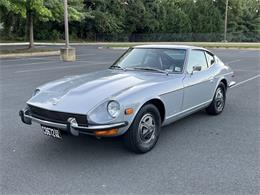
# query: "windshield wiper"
116,67
151,69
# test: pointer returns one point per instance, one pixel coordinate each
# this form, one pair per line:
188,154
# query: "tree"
207,18
42,10
10,9
175,20
179,19
243,19
35,9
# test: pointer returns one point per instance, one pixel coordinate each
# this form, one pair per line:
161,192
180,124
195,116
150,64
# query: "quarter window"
210,58
197,58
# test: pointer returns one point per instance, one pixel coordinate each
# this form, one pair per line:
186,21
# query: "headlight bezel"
100,115
113,108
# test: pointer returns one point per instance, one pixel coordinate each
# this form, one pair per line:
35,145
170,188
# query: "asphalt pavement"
199,154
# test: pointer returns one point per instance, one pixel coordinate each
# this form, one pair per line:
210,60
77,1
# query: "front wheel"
144,132
218,103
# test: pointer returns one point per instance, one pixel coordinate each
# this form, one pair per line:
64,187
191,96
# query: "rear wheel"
218,103
144,132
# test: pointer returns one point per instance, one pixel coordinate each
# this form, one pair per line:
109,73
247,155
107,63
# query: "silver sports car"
148,87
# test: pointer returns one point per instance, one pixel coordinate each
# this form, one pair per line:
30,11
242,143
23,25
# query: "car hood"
79,94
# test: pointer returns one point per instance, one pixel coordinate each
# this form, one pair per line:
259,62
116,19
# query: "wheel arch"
220,80
224,81
158,103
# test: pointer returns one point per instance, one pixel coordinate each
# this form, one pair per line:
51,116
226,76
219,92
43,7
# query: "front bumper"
71,126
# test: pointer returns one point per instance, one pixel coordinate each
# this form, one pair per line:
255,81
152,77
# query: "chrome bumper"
71,126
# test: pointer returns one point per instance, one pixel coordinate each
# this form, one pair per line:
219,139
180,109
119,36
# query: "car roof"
168,47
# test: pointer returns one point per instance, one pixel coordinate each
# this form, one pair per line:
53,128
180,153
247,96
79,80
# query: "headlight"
113,108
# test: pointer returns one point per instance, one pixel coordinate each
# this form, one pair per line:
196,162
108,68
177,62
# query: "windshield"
170,60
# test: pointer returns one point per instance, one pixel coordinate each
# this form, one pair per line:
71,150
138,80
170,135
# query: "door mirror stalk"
196,69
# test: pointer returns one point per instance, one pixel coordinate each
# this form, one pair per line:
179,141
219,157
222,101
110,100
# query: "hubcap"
220,100
147,128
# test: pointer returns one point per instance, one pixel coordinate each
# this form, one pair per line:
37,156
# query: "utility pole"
68,53
226,19
66,23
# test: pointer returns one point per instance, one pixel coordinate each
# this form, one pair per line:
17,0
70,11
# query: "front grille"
57,117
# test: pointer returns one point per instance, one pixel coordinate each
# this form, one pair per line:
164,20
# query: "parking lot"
200,154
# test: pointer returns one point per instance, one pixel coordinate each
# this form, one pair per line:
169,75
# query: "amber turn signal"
109,132
129,111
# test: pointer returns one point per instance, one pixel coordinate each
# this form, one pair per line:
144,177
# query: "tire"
218,103
144,132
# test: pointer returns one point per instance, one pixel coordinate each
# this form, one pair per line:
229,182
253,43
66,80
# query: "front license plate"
49,131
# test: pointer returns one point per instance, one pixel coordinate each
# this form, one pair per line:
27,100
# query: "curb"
234,44
119,48
231,48
31,54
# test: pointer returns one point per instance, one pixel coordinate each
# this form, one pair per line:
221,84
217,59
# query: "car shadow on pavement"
75,148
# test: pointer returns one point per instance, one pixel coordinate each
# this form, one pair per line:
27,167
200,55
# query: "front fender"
139,105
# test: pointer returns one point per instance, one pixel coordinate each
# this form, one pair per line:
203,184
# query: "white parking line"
91,54
243,70
52,68
39,58
245,81
28,58
95,62
233,61
44,62
28,64
61,67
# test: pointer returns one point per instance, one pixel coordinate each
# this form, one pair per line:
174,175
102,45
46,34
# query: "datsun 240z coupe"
148,87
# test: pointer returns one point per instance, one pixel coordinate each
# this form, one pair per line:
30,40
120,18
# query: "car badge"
55,101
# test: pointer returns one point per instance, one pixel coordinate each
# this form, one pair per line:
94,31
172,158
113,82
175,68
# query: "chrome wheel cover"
147,128
219,99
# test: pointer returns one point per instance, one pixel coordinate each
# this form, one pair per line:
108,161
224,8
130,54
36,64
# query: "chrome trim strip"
47,123
189,109
187,86
171,91
100,127
206,80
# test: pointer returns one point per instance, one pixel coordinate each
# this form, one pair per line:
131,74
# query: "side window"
210,58
197,58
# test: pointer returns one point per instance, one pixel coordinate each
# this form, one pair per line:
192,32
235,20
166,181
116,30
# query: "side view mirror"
196,69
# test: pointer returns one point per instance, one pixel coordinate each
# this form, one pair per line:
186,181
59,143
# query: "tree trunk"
30,29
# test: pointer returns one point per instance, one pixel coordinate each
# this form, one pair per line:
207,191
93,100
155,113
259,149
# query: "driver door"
198,84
